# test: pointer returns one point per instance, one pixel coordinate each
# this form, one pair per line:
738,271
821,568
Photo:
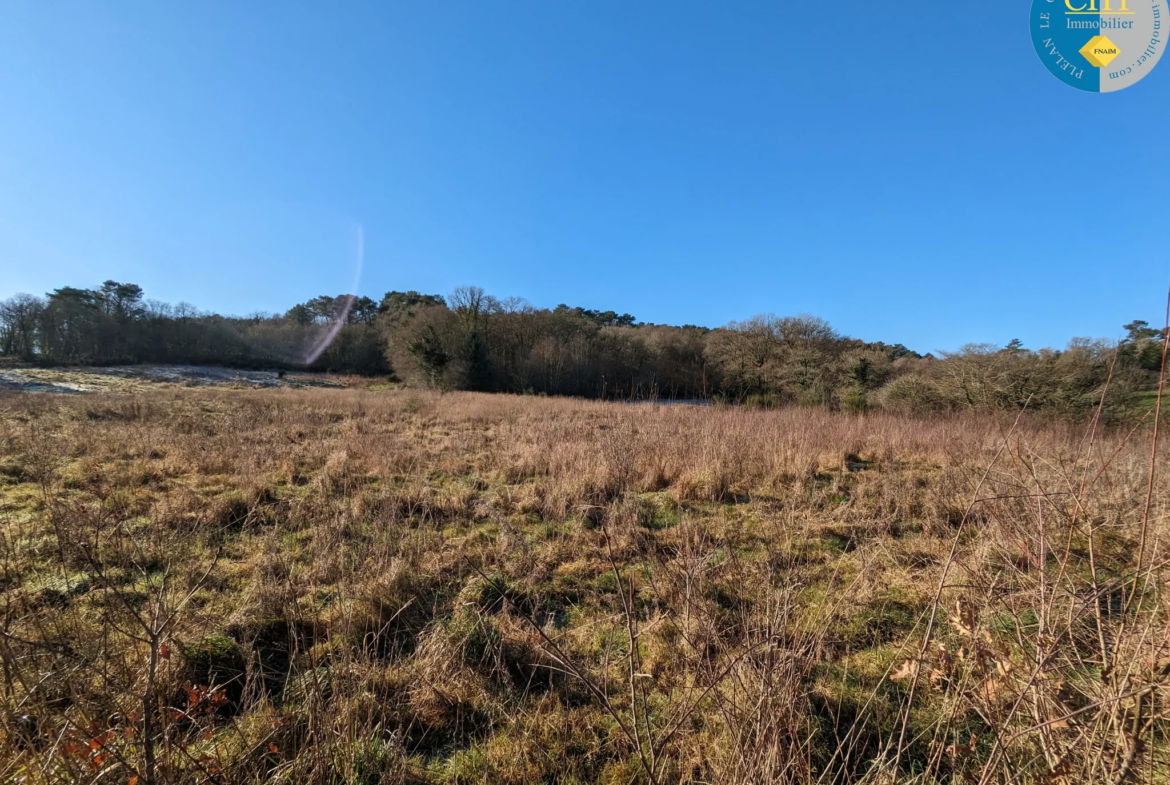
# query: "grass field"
353,586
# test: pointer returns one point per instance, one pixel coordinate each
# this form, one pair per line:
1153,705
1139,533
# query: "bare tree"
19,319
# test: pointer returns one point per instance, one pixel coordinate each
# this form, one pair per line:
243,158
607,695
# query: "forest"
473,341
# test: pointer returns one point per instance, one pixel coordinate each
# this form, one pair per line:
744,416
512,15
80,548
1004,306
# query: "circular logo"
1100,45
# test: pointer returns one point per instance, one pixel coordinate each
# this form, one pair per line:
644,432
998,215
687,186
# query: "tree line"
471,340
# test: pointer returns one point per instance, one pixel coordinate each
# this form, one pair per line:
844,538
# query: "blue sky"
910,173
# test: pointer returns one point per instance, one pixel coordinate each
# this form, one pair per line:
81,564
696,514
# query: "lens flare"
340,316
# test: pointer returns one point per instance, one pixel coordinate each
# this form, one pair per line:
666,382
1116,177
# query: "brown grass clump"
349,586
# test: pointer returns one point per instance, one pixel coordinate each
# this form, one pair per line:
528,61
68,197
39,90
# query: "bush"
763,401
854,400
912,394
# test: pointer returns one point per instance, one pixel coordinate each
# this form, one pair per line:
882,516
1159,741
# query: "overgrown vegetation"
345,586
473,341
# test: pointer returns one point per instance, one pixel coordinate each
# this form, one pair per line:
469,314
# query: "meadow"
392,586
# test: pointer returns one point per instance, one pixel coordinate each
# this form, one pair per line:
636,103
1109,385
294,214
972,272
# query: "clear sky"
909,172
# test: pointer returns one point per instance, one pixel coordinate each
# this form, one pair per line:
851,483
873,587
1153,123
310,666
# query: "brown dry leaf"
946,660
938,679
908,670
958,750
989,690
963,618
1062,769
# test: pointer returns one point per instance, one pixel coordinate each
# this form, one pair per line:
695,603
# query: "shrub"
912,394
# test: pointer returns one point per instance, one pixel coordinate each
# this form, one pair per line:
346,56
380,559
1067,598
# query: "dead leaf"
938,679
963,619
908,670
958,750
989,690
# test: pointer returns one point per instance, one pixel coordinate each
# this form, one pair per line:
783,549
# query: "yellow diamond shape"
1100,51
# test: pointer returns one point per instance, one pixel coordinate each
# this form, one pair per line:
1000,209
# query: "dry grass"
326,586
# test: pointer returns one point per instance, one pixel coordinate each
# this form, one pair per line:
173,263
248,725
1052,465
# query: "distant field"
304,585
142,378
